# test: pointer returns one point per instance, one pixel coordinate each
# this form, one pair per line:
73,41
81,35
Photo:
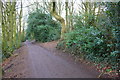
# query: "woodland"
88,30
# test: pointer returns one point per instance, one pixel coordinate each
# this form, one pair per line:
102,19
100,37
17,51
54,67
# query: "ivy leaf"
108,70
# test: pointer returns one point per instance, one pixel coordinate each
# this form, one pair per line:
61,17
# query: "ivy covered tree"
10,38
113,12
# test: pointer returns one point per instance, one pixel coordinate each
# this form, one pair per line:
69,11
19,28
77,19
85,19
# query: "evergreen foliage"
97,43
42,27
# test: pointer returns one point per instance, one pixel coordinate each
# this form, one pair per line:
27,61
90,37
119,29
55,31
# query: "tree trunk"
59,18
66,8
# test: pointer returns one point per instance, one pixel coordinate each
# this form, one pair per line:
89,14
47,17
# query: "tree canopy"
88,30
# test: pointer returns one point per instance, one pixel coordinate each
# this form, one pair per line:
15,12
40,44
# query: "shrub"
42,27
91,44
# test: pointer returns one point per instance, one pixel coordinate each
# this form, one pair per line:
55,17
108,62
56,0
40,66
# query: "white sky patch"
63,0
29,3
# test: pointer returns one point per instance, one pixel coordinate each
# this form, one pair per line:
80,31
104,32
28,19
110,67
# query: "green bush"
42,27
44,33
95,40
91,44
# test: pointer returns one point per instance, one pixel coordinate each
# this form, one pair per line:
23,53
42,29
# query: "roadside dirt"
15,66
42,60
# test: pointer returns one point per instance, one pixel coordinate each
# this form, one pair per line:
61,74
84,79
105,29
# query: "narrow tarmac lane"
45,64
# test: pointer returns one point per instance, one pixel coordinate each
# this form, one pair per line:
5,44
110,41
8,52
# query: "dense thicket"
94,35
42,27
113,12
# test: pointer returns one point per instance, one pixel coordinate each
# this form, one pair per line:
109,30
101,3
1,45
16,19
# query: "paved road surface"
45,64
